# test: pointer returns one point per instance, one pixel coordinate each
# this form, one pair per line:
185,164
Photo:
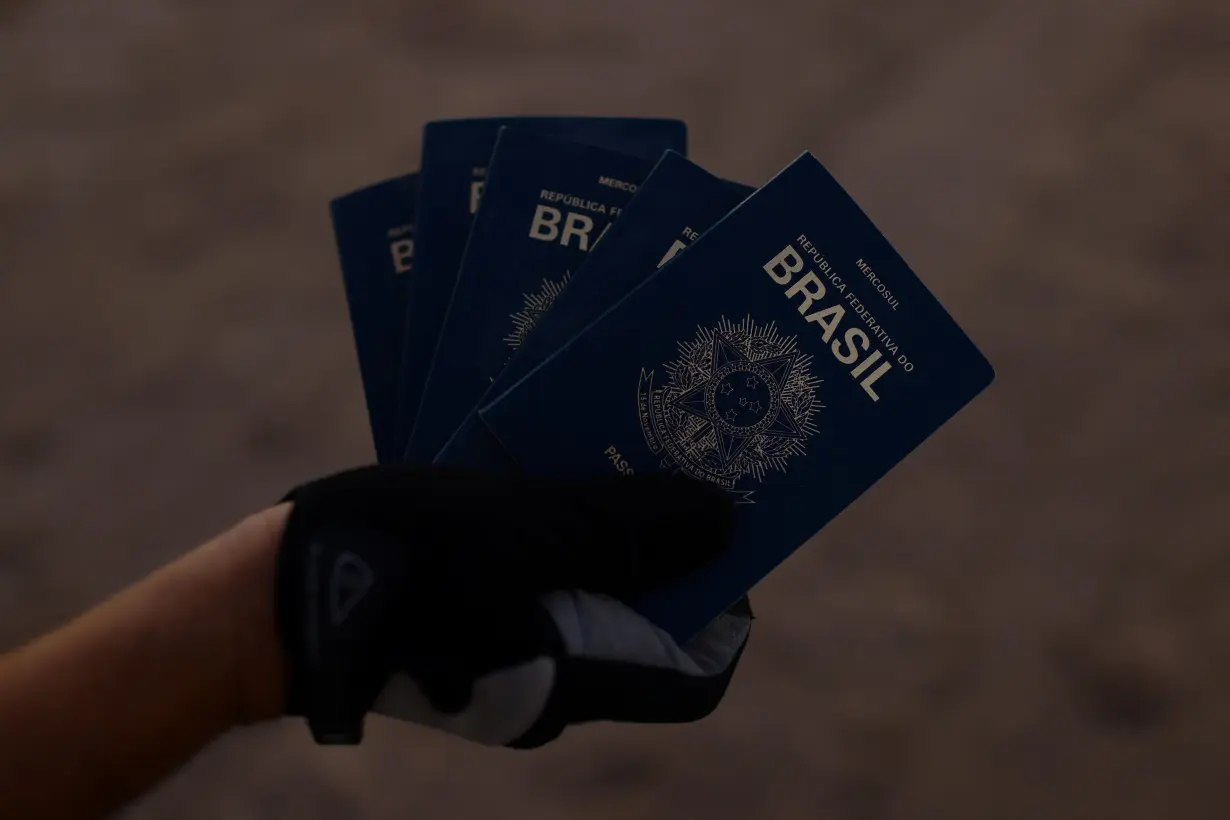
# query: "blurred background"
1029,618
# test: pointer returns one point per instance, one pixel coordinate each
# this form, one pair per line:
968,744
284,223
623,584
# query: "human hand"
495,609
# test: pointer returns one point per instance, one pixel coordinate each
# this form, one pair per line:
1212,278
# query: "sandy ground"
1029,618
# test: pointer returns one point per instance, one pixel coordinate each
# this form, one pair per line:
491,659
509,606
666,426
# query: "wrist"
257,658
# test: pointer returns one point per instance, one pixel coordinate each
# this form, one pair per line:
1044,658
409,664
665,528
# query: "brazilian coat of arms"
740,400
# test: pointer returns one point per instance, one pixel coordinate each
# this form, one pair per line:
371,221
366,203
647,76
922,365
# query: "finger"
596,627
480,537
624,536
617,666
502,705
615,535
483,676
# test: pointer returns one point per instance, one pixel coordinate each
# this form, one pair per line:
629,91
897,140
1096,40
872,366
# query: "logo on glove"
350,581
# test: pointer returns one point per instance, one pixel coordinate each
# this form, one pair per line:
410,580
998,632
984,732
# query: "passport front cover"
374,231
547,202
675,204
452,170
790,357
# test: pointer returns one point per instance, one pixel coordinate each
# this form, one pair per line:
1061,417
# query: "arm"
98,711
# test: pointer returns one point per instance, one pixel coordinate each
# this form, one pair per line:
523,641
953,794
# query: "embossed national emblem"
535,305
739,401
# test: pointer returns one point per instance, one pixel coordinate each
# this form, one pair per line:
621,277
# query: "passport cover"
547,202
789,356
452,173
676,203
374,231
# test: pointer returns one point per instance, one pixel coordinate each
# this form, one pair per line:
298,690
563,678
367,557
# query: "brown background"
1029,618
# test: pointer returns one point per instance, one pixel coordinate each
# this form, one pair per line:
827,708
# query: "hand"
493,609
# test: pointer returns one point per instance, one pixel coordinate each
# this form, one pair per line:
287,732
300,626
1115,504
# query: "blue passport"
374,231
789,356
546,203
676,203
452,173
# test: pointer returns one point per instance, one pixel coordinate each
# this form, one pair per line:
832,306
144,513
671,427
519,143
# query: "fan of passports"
569,296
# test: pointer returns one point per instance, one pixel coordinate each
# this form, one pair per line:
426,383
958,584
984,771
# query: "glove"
496,609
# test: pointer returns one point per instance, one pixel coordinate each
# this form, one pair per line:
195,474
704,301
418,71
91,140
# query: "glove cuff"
315,689
333,612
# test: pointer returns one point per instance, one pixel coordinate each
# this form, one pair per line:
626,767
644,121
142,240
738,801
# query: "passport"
546,203
452,174
676,203
789,356
374,231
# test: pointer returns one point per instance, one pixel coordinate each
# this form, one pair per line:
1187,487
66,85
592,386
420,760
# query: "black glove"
492,608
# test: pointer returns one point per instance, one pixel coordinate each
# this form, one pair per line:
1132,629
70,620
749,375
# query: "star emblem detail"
725,362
